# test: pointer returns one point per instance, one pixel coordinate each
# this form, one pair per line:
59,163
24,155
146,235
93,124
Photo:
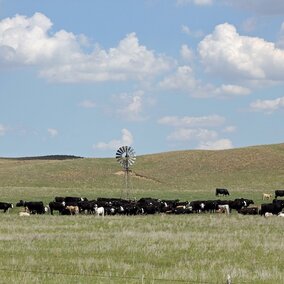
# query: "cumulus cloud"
195,129
88,104
268,105
232,90
186,53
228,54
192,121
52,132
130,106
186,30
184,80
126,139
61,57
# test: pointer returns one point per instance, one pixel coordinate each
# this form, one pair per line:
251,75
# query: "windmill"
125,155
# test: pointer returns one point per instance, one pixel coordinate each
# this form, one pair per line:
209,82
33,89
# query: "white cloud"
195,2
88,104
187,134
186,53
229,129
268,105
183,79
3,130
60,56
185,29
194,129
125,140
232,90
129,106
192,121
221,144
228,54
52,132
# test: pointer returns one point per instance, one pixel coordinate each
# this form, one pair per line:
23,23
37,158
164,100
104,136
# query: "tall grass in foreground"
142,249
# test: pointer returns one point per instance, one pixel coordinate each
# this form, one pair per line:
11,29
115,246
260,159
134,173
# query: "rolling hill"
250,169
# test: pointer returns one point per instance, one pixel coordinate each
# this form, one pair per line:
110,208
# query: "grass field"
199,248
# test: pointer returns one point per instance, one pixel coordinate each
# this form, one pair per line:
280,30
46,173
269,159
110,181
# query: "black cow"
34,207
248,211
87,206
279,193
59,206
222,191
273,208
5,206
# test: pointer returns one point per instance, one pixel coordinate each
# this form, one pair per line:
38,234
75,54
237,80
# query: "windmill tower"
125,155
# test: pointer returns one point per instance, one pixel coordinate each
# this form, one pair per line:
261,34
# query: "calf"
222,191
266,196
248,211
5,206
70,210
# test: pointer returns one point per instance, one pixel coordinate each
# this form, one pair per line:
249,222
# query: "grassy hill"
194,248
192,173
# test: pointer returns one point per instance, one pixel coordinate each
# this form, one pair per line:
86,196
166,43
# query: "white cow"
266,196
99,211
24,214
224,209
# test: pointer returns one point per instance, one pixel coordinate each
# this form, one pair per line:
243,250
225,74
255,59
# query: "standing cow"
222,191
5,206
279,193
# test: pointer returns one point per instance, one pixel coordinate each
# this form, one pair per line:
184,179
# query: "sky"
86,77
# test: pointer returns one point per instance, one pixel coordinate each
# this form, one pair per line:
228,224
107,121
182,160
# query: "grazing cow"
279,193
222,191
5,206
266,196
34,207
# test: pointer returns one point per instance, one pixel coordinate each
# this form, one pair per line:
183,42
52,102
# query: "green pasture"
196,248
141,249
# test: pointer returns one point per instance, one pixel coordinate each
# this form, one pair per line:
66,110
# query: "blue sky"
86,77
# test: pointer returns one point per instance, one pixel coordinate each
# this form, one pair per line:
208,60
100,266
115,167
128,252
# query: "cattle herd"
118,206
